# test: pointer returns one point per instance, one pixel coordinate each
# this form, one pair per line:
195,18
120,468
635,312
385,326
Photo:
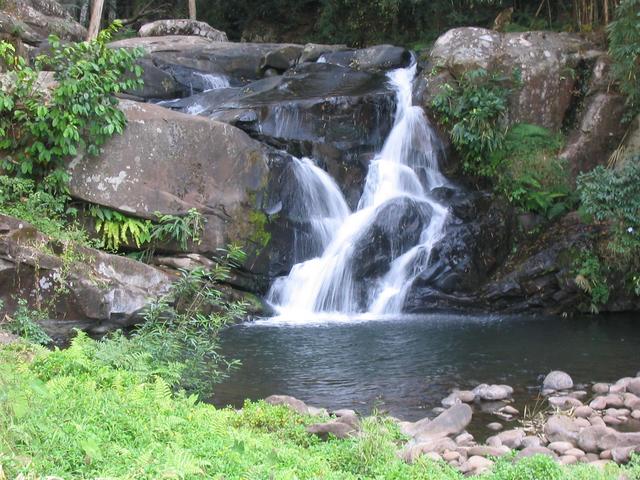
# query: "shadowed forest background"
413,23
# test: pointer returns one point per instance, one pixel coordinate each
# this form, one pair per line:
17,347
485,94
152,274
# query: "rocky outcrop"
168,162
566,84
598,133
32,21
546,61
160,28
240,62
82,287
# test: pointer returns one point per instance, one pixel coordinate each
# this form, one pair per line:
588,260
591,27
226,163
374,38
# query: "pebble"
560,447
631,401
487,451
450,456
531,441
606,455
634,386
495,426
557,380
582,422
598,403
509,410
476,465
576,452
494,441
568,460
583,411
512,438
493,392
600,388
614,400
464,439
609,420
636,414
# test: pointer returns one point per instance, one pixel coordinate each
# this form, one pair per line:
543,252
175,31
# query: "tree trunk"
192,9
96,17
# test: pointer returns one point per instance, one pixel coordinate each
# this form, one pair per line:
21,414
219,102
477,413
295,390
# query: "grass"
69,414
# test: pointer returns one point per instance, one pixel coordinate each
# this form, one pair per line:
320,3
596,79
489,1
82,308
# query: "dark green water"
407,365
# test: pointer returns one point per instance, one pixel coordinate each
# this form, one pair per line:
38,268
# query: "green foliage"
40,131
117,229
529,172
48,213
178,339
24,322
181,229
624,48
473,110
591,278
66,413
612,197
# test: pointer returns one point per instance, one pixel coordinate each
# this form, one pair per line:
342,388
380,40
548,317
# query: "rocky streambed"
596,424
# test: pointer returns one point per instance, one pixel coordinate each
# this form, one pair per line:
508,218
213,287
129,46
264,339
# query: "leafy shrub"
473,110
612,197
529,172
591,278
178,339
624,48
40,131
24,322
181,229
48,213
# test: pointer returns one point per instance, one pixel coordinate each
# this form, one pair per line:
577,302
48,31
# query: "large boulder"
161,28
597,134
379,57
334,114
168,162
546,61
239,62
84,287
34,20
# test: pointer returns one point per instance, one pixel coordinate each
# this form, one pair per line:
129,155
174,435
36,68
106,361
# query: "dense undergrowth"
73,414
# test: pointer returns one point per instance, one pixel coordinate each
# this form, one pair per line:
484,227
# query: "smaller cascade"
318,202
212,81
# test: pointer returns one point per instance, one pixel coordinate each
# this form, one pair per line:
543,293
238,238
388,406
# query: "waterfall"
211,81
401,175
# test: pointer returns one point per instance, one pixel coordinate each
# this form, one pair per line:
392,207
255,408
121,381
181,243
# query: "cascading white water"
407,166
212,81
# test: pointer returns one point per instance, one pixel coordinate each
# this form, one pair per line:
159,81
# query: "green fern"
117,229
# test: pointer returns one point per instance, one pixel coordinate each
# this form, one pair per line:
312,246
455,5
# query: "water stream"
406,168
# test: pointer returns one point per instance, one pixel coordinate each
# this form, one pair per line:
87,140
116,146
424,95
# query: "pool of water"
406,366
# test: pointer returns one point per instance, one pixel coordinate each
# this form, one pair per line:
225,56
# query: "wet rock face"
376,58
476,241
240,62
94,290
396,228
334,114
